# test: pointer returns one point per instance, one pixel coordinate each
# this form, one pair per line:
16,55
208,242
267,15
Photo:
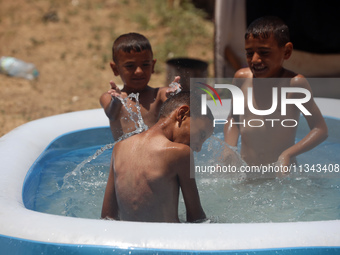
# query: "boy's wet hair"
184,98
266,26
130,42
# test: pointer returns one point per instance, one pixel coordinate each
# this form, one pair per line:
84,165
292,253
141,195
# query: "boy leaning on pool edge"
267,46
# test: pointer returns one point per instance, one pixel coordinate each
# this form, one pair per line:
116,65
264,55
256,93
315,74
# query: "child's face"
134,68
265,57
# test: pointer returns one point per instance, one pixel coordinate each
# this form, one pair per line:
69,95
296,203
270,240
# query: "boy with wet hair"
267,46
148,169
129,42
133,61
269,26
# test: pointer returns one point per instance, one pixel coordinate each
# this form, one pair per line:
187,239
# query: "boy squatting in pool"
148,169
267,45
133,62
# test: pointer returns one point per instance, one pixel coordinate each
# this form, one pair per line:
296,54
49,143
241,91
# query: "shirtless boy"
133,62
267,46
148,169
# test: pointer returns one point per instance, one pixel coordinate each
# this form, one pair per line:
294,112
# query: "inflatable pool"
24,231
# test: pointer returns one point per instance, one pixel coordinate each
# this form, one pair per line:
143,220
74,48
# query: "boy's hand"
110,103
114,91
284,162
174,87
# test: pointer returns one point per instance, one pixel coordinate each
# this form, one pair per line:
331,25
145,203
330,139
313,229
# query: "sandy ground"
71,48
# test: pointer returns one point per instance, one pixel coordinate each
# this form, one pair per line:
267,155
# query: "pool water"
55,185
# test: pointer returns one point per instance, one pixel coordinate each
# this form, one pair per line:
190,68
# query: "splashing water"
175,88
135,117
219,153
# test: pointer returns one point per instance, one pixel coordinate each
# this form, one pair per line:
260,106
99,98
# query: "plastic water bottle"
18,68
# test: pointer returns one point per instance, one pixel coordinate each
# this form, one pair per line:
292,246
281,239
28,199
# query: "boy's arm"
318,128
232,132
110,103
188,186
110,205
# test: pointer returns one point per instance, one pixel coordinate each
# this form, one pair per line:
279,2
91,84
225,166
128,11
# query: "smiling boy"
267,46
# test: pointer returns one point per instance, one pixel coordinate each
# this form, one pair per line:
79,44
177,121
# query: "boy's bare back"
148,169
146,177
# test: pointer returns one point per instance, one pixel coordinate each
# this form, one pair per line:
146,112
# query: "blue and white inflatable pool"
24,231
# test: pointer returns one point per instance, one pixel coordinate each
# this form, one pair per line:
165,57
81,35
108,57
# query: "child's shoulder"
174,151
164,148
180,149
241,76
180,155
243,73
298,81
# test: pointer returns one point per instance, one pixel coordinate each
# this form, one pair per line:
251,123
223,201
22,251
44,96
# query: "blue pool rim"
28,247
21,237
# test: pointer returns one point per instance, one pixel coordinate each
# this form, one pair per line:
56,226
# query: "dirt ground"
70,43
